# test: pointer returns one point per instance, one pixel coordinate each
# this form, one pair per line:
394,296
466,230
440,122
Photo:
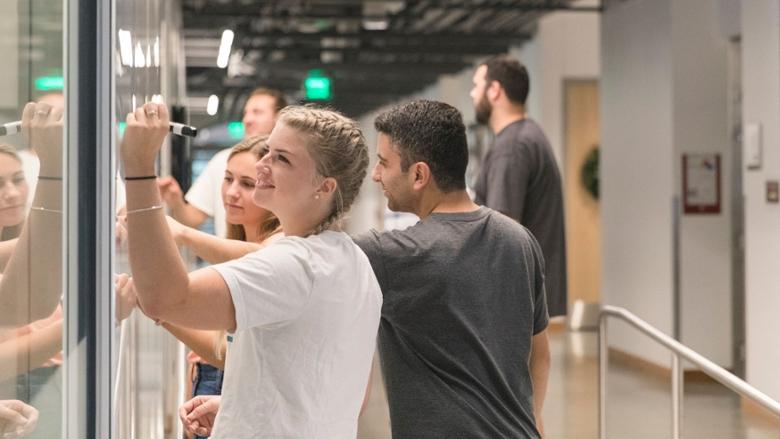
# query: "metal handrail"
678,351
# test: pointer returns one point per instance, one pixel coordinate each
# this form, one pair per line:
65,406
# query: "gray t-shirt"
463,296
520,179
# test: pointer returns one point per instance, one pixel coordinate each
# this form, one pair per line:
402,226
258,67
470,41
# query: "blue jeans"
207,381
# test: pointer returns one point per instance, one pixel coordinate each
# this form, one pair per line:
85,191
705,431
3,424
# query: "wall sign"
701,183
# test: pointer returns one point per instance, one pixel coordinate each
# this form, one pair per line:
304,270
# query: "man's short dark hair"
430,132
511,74
279,100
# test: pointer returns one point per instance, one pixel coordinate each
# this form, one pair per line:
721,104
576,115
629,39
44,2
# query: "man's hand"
17,419
198,414
170,191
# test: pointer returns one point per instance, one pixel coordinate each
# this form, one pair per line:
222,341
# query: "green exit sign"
49,83
235,130
317,86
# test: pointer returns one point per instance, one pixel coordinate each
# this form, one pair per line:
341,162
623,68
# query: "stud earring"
317,197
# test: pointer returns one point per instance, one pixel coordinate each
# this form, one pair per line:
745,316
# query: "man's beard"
483,110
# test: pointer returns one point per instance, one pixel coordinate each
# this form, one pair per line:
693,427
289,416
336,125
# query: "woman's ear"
327,186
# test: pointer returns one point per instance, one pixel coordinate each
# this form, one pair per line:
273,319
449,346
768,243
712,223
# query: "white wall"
637,167
9,47
701,124
664,94
566,46
761,104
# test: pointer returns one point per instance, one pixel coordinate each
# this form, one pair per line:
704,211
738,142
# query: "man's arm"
539,365
182,211
189,215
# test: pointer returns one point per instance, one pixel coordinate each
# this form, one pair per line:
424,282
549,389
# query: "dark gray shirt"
520,179
463,296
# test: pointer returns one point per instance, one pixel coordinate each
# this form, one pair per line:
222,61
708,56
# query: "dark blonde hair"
256,146
10,150
338,149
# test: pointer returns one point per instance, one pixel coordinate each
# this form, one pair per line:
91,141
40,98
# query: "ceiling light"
126,47
139,59
375,24
213,105
157,52
224,48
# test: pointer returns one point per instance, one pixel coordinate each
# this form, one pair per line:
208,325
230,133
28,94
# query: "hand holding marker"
175,127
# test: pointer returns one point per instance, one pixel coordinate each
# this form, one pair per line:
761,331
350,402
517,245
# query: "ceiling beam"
447,38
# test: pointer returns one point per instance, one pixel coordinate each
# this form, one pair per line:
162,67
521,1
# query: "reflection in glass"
31,216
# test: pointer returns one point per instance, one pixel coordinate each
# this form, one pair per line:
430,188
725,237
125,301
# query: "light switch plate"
772,192
751,146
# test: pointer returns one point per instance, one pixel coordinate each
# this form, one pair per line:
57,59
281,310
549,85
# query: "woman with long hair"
301,314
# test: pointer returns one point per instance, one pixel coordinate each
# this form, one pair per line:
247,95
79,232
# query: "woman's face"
286,177
237,190
13,191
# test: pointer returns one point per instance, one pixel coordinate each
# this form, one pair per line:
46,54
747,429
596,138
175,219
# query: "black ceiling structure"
373,50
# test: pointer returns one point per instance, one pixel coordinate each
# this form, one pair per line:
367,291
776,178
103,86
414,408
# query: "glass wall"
32,213
149,363
75,360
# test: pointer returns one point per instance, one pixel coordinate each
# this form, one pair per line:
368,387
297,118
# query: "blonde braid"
339,150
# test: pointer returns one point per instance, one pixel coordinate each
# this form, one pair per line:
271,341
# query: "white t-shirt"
307,315
206,191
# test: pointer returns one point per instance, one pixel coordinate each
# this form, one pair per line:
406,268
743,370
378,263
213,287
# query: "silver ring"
41,113
151,113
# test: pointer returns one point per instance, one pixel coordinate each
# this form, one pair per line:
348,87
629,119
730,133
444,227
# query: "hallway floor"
639,403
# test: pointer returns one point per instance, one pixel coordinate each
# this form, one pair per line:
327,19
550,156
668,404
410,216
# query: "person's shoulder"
531,134
389,241
508,226
324,243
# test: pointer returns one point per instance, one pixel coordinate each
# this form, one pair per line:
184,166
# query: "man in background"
520,177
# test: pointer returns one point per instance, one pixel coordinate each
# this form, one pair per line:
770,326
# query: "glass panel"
149,362
31,219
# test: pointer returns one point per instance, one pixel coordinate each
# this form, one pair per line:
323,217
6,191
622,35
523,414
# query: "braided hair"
339,151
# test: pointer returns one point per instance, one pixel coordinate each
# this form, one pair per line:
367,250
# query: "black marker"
174,127
182,130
